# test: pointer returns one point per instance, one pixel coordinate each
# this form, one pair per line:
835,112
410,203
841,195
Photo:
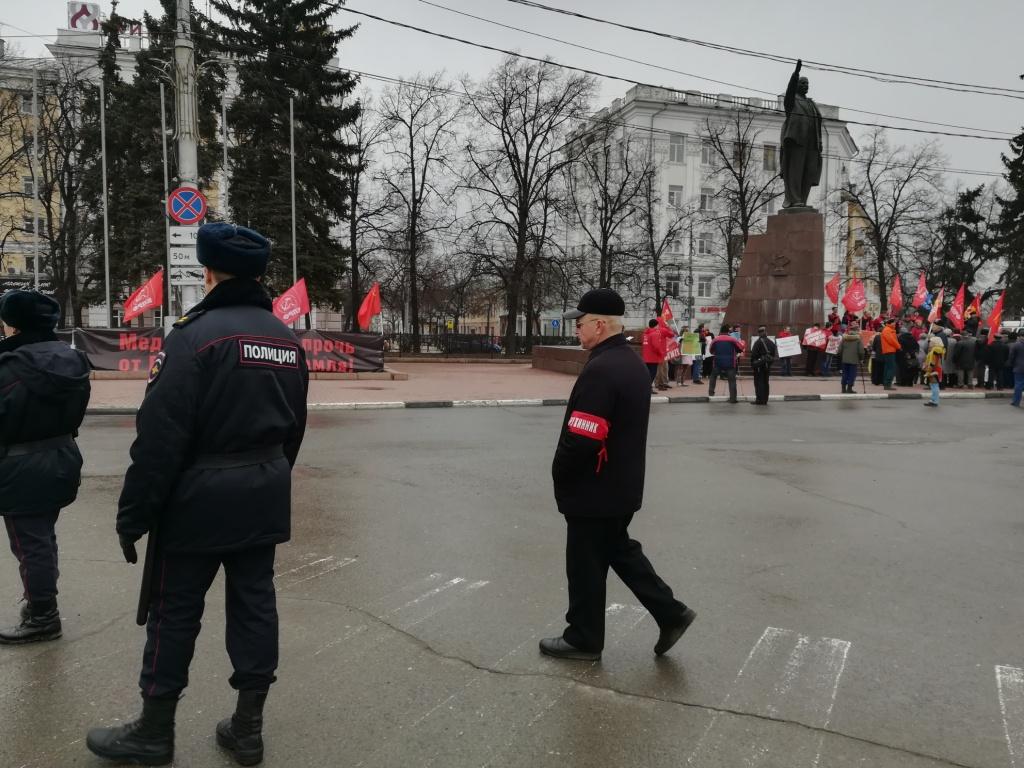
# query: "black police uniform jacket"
598,469
219,428
44,391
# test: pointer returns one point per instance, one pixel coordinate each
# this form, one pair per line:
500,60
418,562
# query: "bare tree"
744,179
661,226
15,152
421,119
896,190
516,155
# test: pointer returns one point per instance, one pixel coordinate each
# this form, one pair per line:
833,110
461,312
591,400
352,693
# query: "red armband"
594,427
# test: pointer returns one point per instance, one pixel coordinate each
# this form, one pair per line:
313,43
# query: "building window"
771,158
26,224
704,244
707,152
676,145
704,287
27,187
739,152
707,199
675,196
675,245
30,264
26,104
672,285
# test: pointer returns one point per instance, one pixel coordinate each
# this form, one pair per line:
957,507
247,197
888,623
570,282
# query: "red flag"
936,312
832,289
855,300
921,293
293,303
666,314
896,296
996,318
956,312
975,308
370,307
150,295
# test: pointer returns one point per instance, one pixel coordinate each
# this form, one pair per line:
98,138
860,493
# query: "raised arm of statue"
790,100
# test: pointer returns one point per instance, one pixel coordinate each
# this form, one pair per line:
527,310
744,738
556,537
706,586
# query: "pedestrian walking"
933,368
851,352
598,474
890,347
44,391
763,353
210,481
725,351
1016,363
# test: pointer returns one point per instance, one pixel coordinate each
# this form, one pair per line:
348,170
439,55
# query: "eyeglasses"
581,323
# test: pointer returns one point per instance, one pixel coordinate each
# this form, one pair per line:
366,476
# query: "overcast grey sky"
976,42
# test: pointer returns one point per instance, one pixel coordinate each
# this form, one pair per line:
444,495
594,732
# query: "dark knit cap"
233,250
29,311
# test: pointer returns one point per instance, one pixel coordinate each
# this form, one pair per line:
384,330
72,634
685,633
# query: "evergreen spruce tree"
1011,226
283,49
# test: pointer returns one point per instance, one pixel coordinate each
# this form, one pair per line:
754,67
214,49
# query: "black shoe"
147,740
242,733
39,622
560,649
669,636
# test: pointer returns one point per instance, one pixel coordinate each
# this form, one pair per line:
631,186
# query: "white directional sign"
184,256
183,235
186,275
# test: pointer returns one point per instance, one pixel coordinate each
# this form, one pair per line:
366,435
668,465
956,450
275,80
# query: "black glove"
128,548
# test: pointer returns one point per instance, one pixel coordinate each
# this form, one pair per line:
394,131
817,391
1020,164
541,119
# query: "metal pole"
167,223
186,124
691,315
224,164
291,126
35,179
106,226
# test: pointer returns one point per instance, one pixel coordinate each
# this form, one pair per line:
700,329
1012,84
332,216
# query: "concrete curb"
561,402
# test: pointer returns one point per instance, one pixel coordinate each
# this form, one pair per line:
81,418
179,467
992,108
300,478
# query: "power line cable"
889,77
632,81
690,74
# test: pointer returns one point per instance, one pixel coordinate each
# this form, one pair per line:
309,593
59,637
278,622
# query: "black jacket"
998,354
44,390
219,428
598,469
763,353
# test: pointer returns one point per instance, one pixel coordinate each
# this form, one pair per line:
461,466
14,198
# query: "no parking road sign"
186,205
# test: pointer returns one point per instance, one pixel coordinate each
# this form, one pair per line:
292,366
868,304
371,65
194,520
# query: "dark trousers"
761,377
180,583
849,374
729,374
877,364
888,369
34,542
652,370
592,545
813,355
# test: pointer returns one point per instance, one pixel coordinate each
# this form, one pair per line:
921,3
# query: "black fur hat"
29,311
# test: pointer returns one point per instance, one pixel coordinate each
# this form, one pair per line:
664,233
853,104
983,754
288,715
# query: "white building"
677,122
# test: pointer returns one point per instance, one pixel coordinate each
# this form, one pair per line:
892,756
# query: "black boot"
148,740
242,733
39,621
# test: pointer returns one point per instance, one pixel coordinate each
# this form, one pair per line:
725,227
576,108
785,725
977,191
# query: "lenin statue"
801,143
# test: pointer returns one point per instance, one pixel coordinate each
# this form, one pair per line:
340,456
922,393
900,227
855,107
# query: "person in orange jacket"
890,347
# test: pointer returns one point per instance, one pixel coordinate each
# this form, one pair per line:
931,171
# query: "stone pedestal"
782,277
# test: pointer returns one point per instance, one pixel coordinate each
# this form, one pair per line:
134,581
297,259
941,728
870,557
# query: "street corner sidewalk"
455,385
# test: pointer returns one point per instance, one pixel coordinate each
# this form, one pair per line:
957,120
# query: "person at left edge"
598,474
44,391
218,433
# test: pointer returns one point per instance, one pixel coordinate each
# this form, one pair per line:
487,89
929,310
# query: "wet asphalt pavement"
856,569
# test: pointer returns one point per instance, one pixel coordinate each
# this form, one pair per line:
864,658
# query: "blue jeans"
787,366
695,371
935,392
849,374
1018,388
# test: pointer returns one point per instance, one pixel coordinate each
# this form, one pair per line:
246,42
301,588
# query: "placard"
788,346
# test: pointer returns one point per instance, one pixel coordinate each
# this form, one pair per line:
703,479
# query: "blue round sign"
554,323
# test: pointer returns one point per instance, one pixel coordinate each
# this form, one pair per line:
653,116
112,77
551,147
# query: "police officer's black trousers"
180,583
761,378
592,545
34,542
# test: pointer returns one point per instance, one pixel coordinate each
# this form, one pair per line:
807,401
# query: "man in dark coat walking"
210,482
44,390
598,474
762,354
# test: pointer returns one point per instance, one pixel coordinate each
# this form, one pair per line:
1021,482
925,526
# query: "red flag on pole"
666,313
956,312
996,318
855,299
936,312
150,295
832,289
293,303
975,308
921,293
896,296
370,307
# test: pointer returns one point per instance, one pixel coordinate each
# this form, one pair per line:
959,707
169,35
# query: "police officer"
598,474
210,479
44,390
762,354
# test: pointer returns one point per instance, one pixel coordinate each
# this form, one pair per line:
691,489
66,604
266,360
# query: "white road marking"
323,572
303,567
1010,682
785,676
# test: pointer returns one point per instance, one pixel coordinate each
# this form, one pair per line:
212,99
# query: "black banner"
129,351
331,352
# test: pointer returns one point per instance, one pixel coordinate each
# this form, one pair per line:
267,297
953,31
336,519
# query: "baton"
142,613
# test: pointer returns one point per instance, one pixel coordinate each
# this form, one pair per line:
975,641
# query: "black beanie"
237,251
29,311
